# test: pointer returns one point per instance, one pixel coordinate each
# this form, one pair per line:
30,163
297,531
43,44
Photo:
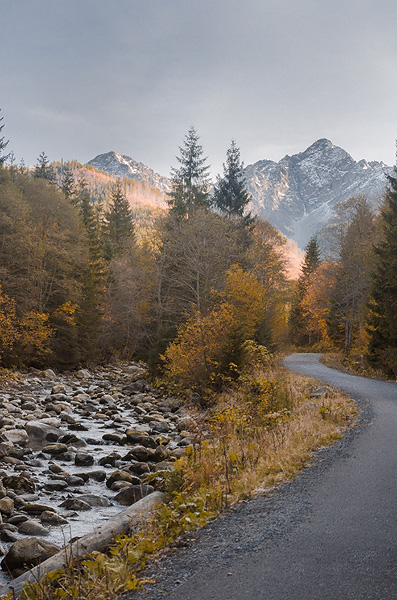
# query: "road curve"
329,535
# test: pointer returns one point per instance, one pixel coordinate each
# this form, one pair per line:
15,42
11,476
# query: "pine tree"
118,222
3,144
43,169
383,318
230,193
191,182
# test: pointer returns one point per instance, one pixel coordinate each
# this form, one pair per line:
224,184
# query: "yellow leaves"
8,323
35,332
246,295
194,356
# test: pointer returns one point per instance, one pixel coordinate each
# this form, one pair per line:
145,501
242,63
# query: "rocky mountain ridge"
298,194
120,165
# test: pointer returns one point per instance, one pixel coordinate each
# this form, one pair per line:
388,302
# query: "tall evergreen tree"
383,318
118,222
310,264
68,185
3,144
43,169
230,193
190,182
90,313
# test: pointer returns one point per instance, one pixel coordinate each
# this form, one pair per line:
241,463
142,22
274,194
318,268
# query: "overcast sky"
82,77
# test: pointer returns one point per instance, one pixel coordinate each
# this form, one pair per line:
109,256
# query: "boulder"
19,483
32,528
133,493
42,431
94,500
83,459
52,518
141,453
27,553
6,506
36,509
75,504
119,476
17,436
55,449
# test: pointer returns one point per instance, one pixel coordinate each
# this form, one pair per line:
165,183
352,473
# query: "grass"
261,431
354,364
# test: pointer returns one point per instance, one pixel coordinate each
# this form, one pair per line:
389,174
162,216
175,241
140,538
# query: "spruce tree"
3,144
68,185
230,193
90,313
190,182
383,304
118,222
43,169
310,264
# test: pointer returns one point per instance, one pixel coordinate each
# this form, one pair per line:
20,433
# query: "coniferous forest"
80,284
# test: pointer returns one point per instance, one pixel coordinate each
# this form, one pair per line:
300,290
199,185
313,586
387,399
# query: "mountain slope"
299,193
121,166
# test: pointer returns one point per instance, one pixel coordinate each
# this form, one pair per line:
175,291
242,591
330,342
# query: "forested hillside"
79,284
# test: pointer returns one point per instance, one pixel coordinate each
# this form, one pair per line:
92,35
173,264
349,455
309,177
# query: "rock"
7,533
52,518
133,493
83,374
74,480
42,431
19,483
6,506
178,452
114,437
72,439
83,459
75,504
161,427
185,423
97,475
319,392
140,437
110,459
119,476
36,509
27,553
58,389
17,436
56,485
32,528
94,500
160,454
141,453
3,492
5,449
49,373
55,449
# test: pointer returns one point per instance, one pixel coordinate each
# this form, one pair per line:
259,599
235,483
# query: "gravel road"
328,535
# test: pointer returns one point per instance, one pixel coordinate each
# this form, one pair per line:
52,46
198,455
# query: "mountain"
119,165
298,195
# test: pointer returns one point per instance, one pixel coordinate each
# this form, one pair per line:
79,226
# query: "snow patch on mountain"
299,194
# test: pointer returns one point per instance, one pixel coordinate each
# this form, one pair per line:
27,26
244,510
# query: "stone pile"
75,449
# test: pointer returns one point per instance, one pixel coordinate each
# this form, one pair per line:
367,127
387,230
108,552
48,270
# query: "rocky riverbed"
74,450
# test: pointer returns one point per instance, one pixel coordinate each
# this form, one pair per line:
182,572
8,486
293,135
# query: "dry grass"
262,431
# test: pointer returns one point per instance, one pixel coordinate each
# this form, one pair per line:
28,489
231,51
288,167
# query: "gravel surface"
329,534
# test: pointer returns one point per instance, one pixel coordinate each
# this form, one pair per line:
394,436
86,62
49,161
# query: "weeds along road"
329,535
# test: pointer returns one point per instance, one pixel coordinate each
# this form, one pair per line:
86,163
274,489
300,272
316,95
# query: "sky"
83,77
